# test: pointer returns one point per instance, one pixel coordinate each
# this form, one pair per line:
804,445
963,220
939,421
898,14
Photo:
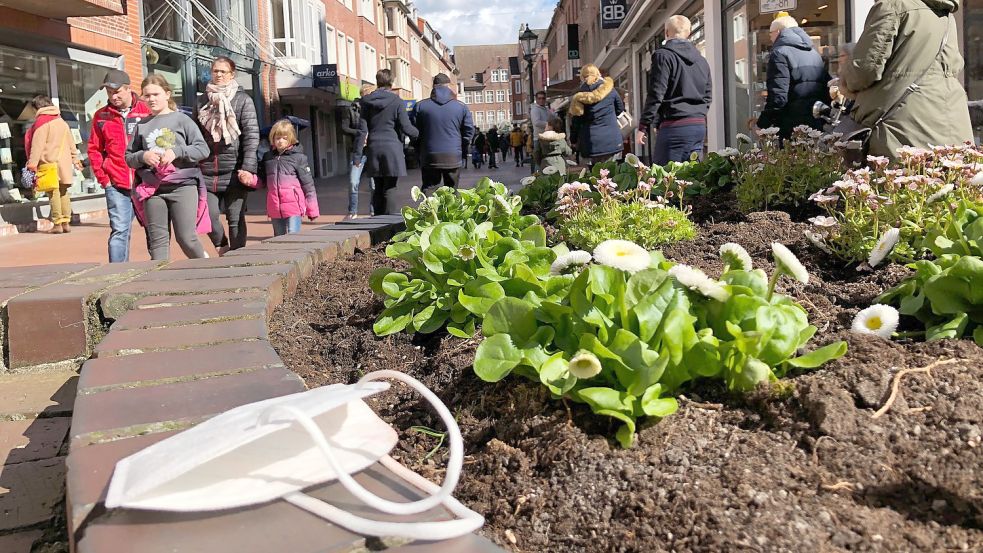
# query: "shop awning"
565,88
61,9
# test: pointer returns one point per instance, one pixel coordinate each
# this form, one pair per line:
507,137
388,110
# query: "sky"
463,22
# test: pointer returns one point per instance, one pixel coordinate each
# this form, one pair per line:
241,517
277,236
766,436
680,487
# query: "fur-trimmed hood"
592,95
552,135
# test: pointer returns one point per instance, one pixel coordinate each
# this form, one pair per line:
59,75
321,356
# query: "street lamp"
528,41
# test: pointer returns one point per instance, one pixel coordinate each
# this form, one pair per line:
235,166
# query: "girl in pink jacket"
285,173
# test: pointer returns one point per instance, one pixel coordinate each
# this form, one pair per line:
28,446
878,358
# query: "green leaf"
392,283
479,295
449,236
782,324
511,316
496,357
394,319
819,357
554,375
375,280
978,336
535,234
607,399
644,283
654,405
651,309
953,328
464,329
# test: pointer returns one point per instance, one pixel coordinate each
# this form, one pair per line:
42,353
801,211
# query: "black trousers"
380,196
232,203
432,177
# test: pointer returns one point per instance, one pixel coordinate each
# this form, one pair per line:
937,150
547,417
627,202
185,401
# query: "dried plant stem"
896,383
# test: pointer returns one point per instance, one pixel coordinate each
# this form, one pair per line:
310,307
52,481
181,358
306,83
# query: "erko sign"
613,12
774,6
325,75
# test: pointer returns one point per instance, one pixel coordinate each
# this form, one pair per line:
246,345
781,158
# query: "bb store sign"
613,12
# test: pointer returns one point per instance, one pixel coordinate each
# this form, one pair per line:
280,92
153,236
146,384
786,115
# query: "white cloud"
463,22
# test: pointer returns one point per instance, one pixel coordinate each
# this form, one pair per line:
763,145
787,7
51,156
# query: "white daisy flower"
503,203
622,254
817,241
741,137
977,180
770,131
884,246
571,259
570,162
632,159
584,365
728,152
466,253
526,181
788,263
550,170
878,320
697,281
944,191
735,256
416,194
482,209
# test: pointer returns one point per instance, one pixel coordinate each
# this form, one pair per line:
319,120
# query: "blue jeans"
287,225
678,143
120,208
354,179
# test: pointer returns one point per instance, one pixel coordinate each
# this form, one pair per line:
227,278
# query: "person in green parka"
552,148
901,39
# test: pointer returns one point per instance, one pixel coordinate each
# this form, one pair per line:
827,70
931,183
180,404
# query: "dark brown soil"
801,467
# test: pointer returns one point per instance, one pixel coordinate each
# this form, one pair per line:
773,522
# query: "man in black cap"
445,127
112,129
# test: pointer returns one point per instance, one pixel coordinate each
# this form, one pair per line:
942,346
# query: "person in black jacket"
492,147
445,125
350,117
594,111
384,122
678,98
228,120
797,79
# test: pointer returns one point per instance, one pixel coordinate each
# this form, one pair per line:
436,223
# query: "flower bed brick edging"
188,341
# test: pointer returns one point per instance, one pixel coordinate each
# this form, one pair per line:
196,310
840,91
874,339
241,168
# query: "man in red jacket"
112,129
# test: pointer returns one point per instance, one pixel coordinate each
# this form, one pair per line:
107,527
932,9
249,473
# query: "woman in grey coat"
385,122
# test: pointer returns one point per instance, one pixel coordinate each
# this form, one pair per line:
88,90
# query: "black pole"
532,101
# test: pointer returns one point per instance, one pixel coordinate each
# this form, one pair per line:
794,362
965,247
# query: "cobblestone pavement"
87,242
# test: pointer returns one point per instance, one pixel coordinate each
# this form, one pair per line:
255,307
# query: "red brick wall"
119,34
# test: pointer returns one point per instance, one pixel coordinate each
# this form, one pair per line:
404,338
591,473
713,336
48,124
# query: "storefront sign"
410,104
573,42
774,6
326,75
613,12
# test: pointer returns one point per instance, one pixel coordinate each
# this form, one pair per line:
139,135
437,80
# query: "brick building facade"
486,83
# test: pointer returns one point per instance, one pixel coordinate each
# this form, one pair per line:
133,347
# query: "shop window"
160,20
80,94
22,76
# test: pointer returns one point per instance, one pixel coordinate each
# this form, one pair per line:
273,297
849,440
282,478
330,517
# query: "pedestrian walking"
445,125
480,144
492,147
51,154
905,76
503,144
228,120
112,130
349,125
382,127
595,109
516,141
286,174
679,93
552,149
539,116
797,79
166,152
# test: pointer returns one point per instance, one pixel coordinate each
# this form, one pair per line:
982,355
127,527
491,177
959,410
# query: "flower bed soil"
803,466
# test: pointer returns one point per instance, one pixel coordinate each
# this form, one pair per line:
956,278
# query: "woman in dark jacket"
797,79
228,119
385,121
595,109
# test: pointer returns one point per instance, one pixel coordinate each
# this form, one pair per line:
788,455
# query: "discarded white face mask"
275,448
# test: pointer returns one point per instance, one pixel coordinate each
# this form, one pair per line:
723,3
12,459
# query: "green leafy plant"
591,214
633,329
466,207
539,193
919,196
773,175
694,177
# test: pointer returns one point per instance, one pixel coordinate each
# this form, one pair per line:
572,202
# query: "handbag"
47,178
864,134
625,120
276,448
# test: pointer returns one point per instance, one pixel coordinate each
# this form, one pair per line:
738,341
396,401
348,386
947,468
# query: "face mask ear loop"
454,466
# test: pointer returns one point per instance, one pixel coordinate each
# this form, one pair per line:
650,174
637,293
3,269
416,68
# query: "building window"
417,89
352,58
489,96
494,76
517,108
297,28
490,117
331,54
501,115
479,118
366,9
415,48
390,21
347,4
466,98
740,27
342,54
500,96
517,86
369,63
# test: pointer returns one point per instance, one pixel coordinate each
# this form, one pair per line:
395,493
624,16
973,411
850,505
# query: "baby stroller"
477,158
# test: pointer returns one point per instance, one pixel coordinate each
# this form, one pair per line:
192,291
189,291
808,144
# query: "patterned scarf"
217,116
